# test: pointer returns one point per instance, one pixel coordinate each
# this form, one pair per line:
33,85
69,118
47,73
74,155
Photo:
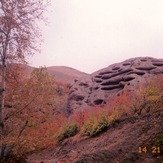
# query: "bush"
86,129
115,114
70,129
100,125
147,98
95,125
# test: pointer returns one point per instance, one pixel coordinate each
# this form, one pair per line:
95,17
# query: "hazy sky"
92,34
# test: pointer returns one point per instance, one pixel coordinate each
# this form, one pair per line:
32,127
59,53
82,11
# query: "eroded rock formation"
97,88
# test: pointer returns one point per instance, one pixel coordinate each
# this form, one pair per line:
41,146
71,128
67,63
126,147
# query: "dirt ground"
129,140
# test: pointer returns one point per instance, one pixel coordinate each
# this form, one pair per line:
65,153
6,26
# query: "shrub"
100,125
114,115
70,129
86,129
148,97
79,117
119,105
95,125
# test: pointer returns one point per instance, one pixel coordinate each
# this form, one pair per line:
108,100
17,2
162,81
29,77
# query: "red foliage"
120,102
82,116
31,103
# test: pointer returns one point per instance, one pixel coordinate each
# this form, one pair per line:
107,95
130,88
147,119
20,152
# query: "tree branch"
23,128
3,32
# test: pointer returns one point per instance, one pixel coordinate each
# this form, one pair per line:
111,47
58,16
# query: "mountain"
65,74
98,88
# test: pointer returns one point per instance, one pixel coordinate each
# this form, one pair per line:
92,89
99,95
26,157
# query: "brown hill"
63,74
27,69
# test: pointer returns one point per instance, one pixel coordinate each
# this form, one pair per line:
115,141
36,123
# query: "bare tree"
19,34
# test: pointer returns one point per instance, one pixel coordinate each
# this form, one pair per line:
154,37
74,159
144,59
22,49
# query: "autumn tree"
31,106
18,38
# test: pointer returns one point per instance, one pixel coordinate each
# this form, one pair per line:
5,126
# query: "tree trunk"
2,127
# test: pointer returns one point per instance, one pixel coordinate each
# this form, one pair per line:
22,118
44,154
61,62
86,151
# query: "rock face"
97,88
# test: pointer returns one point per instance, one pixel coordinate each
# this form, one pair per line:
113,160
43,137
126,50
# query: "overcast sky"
92,34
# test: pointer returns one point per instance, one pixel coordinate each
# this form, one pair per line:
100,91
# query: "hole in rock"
137,73
115,68
99,102
98,81
145,68
128,78
111,82
143,60
126,64
95,88
98,76
77,98
106,72
158,64
84,84
113,87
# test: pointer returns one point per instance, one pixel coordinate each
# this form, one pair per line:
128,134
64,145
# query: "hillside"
63,74
119,114
120,143
114,115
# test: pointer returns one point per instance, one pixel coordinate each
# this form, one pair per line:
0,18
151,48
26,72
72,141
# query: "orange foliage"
30,107
114,109
82,116
120,104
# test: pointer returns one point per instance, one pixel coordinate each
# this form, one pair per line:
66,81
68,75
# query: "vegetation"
32,121
95,125
19,34
66,131
29,117
149,97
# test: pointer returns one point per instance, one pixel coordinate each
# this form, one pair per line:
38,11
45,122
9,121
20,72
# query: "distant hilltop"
66,75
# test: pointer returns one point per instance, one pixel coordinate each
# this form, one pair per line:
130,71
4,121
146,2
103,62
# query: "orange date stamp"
154,150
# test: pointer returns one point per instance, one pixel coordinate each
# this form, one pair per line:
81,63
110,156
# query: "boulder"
97,88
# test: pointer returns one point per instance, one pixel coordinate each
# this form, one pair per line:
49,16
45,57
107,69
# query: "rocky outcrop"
97,88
